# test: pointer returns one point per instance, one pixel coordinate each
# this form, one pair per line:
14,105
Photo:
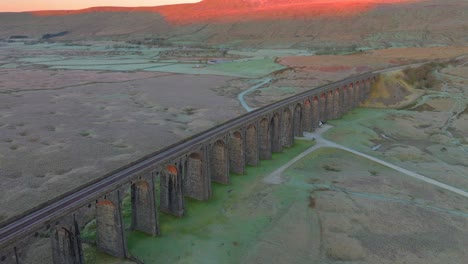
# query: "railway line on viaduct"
159,182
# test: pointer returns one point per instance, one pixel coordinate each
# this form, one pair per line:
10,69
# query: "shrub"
423,76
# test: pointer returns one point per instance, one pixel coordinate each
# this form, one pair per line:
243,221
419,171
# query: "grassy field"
108,58
221,230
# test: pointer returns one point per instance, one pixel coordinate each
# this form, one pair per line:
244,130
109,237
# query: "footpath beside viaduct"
185,169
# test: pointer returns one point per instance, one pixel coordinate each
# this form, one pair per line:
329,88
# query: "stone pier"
144,211
297,121
110,231
171,191
66,244
236,153
264,139
219,162
287,137
251,145
275,127
197,181
307,116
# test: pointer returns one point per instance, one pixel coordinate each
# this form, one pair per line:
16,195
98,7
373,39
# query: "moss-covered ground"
220,230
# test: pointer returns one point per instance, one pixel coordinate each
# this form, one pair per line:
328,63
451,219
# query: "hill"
273,23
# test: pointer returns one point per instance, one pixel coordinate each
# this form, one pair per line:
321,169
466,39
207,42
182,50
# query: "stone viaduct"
160,182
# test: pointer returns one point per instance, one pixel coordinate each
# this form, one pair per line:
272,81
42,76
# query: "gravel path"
251,89
275,177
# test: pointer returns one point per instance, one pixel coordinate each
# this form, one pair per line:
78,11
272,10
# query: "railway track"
21,226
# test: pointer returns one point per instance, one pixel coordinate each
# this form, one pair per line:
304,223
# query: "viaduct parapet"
159,182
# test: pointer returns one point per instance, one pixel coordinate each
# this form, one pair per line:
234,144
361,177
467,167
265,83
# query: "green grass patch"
220,230
248,68
223,229
356,129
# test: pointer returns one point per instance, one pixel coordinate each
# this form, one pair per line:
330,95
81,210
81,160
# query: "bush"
423,76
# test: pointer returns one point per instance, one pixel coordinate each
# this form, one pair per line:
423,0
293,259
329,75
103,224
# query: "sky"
31,5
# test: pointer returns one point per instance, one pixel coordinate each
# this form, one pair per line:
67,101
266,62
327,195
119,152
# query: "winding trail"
275,177
251,89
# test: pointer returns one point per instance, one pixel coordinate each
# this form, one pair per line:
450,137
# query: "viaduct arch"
162,181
